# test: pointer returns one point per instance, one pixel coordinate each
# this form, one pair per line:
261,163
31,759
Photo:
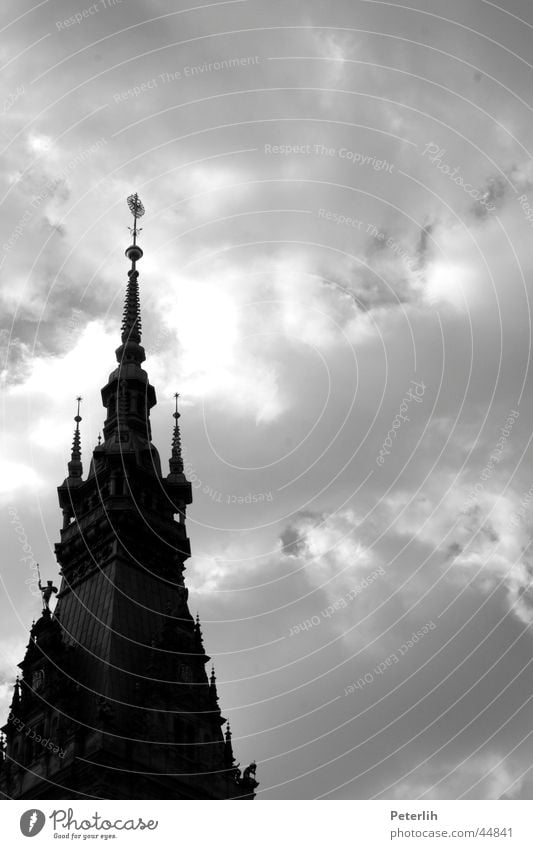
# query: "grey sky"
337,269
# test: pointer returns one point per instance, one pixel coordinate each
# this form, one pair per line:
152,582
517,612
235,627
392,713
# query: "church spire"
75,468
131,349
128,396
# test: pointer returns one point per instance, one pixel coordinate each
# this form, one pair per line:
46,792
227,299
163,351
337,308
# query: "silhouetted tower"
114,700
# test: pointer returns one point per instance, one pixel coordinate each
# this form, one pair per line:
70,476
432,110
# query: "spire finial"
137,210
176,461
75,469
131,320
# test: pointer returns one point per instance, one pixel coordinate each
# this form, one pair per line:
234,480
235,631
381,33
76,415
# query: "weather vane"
137,210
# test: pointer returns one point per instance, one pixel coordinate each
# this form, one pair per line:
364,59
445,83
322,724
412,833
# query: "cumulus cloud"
328,546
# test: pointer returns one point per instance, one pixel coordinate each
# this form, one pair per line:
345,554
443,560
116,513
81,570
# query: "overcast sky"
337,279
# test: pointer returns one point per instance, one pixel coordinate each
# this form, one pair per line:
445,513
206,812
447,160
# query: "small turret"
213,695
176,461
75,468
177,486
73,481
229,760
15,702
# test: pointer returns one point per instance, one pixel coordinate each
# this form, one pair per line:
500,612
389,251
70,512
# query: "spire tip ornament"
137,209
131,320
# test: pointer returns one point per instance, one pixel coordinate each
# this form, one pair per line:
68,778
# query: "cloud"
54,376
40,407
15,358
486,775
292,340
328,546
478,540
17,476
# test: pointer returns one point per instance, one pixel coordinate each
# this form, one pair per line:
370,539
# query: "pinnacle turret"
176,460
229,759
75,468
15,704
